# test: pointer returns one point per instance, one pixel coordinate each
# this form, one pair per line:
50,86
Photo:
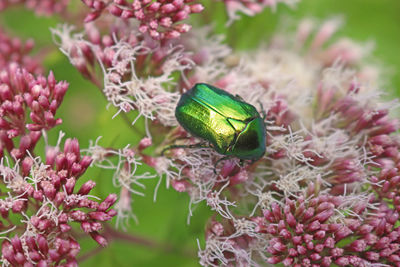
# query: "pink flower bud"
78,215
301,250
115,10
287,262
99,239
181,185
54,255
285,234
154,7
154,34
61,162
153,24
86,227
382,243
75,169
17,108
18,206
168,8
239,177
72,146
26,165
342,261
16,243
292,252
144,143
99,215
323,216
320,235
126,14
372,256
274,260
297,240
108,202
35,256
394,258
181,15
358,245
43,102
43,263
337,252
86,187
315,257
65,228
290,219
34,127
85,162
19,257
279,246
60,90
92,16
5,92
342,233
49,118
48,189
196,8
276,210
308,238
183,28
315,225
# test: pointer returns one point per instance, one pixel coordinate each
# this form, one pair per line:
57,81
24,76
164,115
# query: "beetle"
233,127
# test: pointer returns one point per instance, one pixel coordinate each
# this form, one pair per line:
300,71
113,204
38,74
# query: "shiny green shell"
232,126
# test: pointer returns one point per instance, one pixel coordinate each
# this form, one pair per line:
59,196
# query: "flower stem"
113,235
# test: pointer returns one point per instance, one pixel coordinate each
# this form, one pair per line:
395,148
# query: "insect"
231,126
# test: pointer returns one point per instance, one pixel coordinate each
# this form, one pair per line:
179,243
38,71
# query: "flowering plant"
325,192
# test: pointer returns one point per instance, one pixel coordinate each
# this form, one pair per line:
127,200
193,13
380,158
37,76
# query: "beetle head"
250,143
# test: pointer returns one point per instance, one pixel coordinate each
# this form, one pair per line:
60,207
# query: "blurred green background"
85,115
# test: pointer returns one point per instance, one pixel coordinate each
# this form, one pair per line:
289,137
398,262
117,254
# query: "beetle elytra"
231,126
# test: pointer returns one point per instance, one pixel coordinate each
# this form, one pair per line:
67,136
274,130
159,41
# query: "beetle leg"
241,163
218,161
198,145
239,97
262,110
180,138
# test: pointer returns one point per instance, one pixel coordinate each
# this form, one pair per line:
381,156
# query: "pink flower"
160,19
22,94
48,202
326,190
41,7
13,50
251,7
303,233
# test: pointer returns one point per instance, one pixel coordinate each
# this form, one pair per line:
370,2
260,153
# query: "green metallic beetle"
232,126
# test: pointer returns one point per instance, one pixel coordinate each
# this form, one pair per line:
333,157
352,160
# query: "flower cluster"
323,122
45,200
125,175
326,192
313,229
251,7
160,19
41,7
22,94
324,229
13,50
138,72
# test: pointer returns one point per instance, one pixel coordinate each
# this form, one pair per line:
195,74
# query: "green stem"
113,235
